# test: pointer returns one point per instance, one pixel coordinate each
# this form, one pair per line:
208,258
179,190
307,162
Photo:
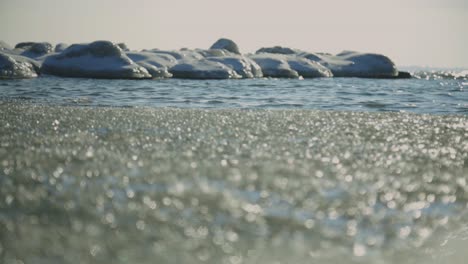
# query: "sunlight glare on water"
160,185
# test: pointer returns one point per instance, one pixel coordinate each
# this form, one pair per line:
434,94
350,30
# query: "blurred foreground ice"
143,185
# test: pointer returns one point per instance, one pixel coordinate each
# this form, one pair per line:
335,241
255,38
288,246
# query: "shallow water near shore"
244,171
430,92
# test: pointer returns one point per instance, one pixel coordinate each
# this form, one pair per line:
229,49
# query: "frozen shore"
223,60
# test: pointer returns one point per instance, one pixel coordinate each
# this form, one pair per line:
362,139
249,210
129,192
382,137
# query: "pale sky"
411,32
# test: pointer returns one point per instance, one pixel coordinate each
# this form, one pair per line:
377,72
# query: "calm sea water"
241,171
434,93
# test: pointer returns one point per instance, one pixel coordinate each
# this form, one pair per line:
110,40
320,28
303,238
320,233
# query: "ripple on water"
432,95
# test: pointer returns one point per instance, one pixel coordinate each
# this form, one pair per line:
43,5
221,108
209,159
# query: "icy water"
249,171
431,93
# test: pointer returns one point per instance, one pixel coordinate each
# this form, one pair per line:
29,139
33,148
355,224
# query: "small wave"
374,104
283,105
215,102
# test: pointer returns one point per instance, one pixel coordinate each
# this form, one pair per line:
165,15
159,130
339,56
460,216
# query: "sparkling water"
245,171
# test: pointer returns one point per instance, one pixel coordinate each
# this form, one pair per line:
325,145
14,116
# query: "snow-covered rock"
202,69
99,59
215,53
289,66
60,47
12,67
276,50
226,44
274,65
183,54
157,64
307,68
355,64
123,46
33,49
243,66
344,64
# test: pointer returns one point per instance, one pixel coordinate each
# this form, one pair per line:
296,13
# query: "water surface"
235,171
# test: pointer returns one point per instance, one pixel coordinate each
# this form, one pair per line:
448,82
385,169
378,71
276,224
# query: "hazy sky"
411,32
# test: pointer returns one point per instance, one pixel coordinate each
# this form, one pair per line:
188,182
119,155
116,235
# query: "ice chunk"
226,44
12,67
100,59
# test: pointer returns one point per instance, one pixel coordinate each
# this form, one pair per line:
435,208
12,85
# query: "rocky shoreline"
223,60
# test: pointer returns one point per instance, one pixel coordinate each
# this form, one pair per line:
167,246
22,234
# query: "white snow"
32,50
157,64
202,69
289,66
226,44
100,59
104,59
15,68
274,65
244,66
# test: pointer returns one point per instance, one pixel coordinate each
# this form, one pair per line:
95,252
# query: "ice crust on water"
142,185
104,59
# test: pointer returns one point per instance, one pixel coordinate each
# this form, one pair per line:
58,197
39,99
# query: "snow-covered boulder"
344,64
13,67
157,64
215,53
156,59
123,46
33,49
274,65
183,54
243,66
276,50
226,44
99,59
60,47
307,68
202,69
312,56
355,64
289,66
